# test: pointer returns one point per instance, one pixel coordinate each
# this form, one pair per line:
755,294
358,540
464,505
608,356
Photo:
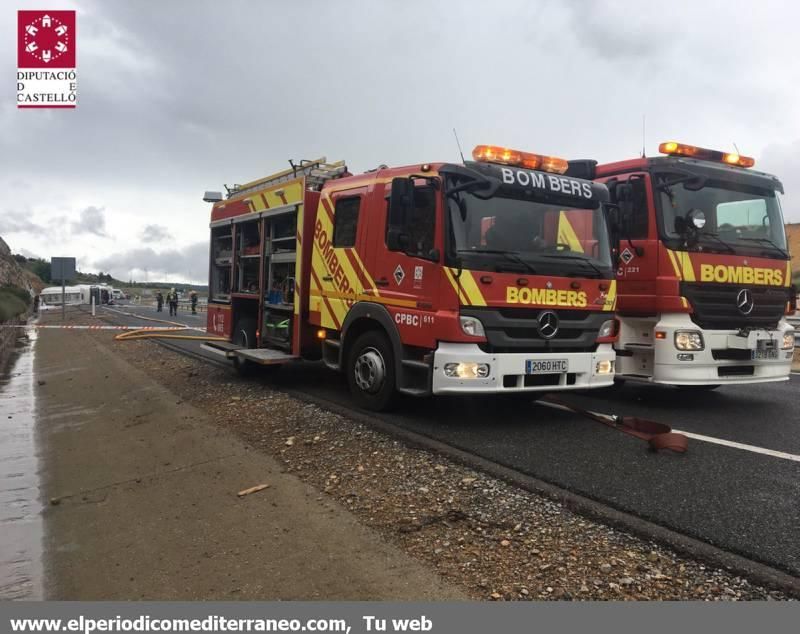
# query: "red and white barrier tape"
55,327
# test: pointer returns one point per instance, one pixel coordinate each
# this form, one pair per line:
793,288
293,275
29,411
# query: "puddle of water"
21,526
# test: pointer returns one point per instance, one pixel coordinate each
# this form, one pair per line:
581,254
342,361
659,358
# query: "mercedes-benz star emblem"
744,301
548,324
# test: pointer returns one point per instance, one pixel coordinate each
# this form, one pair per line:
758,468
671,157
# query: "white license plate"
546,366
764,354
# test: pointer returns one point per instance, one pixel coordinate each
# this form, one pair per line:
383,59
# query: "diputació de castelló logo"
46,59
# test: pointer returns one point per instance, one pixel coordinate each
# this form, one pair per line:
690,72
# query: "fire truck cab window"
345,222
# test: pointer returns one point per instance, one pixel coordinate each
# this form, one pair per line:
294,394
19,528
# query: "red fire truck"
494,275
704,277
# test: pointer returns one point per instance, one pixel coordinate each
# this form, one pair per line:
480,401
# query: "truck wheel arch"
365,316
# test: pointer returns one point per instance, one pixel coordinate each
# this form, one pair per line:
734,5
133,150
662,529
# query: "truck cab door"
637,269
337,271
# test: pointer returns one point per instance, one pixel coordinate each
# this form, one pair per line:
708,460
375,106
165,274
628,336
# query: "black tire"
371,372
244,335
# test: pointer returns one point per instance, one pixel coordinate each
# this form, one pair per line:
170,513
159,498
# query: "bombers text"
723,274
551,182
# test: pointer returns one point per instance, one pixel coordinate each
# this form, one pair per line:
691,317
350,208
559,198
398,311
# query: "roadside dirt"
495,541
143,503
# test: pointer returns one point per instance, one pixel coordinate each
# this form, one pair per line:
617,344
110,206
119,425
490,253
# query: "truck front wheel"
371,372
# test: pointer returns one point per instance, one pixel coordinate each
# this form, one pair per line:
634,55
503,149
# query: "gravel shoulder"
488,537
142,490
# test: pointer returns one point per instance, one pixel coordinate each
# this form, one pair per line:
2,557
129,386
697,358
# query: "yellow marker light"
660,334
729,158
322,333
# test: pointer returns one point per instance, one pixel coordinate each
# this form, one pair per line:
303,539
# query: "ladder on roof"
316,173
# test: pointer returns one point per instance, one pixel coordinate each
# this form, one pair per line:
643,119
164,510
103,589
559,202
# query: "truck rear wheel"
370,371
244,335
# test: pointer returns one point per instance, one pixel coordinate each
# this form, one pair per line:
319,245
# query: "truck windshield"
739,218
506,233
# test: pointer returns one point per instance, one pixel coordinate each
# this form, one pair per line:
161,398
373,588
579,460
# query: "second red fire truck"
491,276
704,274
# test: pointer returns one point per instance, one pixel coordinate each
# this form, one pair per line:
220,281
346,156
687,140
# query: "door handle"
382,282
327,278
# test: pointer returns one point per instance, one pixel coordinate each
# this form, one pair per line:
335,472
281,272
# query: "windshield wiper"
770,242
576,258
513,256
728,246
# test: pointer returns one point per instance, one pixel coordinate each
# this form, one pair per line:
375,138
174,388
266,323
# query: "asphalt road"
737,499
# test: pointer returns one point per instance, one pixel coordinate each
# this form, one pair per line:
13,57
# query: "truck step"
221,348
264,356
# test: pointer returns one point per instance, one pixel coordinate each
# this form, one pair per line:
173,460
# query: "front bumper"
725,358
507,370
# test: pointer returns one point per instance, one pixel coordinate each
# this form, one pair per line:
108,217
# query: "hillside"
17,286
13,274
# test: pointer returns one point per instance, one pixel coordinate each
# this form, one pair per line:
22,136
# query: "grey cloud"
155,233
93,220
190,263
18,222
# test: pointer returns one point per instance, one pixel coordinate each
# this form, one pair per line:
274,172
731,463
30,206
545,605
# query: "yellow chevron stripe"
462,298
366,273
686,264
788,280
674,264
611,297
566,233
292,192
471,289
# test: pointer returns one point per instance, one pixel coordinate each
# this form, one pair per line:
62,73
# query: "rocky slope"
12,273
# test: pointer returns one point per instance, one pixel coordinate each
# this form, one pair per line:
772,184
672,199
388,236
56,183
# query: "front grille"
731,354
735,370
516,329
715,305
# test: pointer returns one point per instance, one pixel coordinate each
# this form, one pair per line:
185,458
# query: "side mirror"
612,214
696,219
624,196
400,205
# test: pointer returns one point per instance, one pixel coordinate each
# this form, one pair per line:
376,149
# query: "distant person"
159,302
193,298
172,299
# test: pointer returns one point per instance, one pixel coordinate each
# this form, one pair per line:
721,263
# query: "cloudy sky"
179,97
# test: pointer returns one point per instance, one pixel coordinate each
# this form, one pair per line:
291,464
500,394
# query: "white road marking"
711,439
738,445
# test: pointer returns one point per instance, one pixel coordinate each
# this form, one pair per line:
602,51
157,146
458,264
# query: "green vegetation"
13,302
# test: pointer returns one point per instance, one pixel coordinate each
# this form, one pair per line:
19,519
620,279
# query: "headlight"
788,340
472,326
466,370
688,340
604,367
608,329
